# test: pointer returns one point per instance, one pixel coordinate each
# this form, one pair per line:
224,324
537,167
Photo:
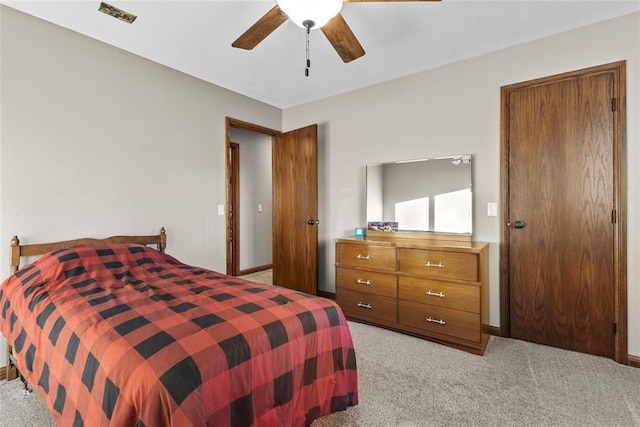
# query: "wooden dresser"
436,289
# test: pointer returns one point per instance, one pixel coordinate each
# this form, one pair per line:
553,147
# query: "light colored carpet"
409,382
405,381
20,409
265,277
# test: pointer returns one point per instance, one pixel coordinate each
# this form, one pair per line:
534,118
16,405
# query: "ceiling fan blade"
343,39
261,29
371,1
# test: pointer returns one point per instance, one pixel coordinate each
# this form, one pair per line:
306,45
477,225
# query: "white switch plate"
492,209
220,210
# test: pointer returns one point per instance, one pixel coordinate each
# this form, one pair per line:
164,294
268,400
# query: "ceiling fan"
308,14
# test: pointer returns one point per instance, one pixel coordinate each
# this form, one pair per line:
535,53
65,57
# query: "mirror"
421,195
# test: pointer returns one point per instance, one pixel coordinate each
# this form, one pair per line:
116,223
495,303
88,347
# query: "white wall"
95,141
456,109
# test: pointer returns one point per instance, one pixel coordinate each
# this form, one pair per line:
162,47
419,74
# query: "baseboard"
3,372
325,294
496,331
634,361
255,269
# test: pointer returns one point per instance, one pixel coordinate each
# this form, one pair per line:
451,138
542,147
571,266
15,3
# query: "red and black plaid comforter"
125,335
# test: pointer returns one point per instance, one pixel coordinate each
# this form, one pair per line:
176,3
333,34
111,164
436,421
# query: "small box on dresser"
417,284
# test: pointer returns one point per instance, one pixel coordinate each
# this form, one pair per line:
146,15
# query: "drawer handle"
433,294
432,320
363,282
363,305
431,264
363,256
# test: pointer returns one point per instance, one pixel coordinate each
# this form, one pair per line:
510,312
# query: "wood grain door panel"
561,188
295,210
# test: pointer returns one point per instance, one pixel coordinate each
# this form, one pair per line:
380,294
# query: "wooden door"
233,203
562,236
295,210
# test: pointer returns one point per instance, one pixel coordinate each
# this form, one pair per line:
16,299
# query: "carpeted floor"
409,382
264,277
20,409
406,381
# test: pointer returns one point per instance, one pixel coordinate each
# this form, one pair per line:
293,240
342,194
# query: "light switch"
259,207
220,210
492,209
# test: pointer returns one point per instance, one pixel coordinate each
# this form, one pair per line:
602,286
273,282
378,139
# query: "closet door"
562,230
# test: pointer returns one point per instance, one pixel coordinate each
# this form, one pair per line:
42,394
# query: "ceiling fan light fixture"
318,11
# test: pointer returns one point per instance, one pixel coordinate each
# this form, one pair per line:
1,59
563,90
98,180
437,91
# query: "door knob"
518,224
313,222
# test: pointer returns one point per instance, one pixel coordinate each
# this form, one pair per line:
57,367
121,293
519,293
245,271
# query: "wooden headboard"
18,250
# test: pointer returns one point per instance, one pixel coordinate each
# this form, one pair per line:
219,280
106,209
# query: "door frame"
232,209
619,194
231,196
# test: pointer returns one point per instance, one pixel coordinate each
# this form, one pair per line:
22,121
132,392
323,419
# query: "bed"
114,332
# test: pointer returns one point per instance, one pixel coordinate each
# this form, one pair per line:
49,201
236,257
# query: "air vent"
117,13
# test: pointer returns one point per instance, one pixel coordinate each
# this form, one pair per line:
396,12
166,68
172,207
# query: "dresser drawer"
367,306
439,264
442,294
455,323
367,256
373,282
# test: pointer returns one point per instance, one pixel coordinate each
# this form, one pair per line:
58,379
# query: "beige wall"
95,141
456,109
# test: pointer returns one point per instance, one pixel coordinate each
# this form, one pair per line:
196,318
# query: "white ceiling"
399,38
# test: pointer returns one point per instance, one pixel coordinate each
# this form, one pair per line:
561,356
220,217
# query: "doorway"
563,250
294,201
247,208
250,207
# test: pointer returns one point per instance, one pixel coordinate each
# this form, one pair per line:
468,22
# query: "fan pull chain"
308,24
306,70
